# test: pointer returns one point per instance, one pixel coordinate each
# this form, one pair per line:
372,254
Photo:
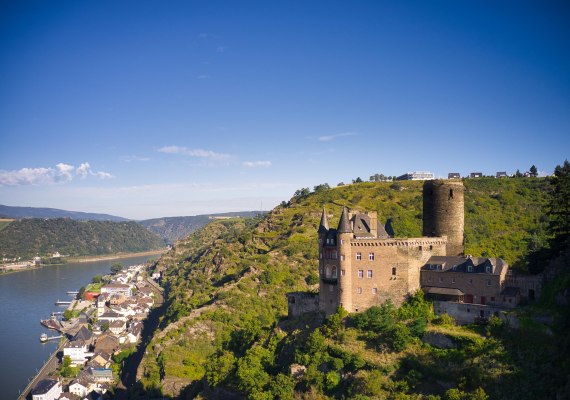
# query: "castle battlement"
410,242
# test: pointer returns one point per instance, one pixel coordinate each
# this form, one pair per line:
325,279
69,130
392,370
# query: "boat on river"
51,323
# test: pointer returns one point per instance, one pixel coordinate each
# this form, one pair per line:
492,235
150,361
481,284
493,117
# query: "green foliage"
31,236
67,314
116,268
220,368
226,284
560,207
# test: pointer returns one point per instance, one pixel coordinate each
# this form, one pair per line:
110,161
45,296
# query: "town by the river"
28,297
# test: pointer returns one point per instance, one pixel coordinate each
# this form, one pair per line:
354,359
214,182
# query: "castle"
361,265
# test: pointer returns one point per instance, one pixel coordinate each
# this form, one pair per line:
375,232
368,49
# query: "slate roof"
83,334
344,223
462,264
43,386
324,224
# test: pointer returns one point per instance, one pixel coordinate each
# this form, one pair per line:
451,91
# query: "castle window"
371,256
334,272
334,255
369,273
452,280
488,269
420,247
430,247
440,279
471,281
320,241
451,193
359,256
342,257
374,290
361,273
470,268
393,271
342,272
359,290
341,241
331,288
488,282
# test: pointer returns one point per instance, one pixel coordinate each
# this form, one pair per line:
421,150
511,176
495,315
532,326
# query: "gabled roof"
465,264
83,334
361,224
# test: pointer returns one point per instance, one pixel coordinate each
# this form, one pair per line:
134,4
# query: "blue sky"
146,109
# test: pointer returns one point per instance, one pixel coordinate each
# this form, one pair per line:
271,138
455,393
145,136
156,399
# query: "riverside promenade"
49,366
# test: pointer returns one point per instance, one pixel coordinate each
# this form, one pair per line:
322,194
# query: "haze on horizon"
143,109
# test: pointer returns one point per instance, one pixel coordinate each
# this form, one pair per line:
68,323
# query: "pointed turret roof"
344,223
324,225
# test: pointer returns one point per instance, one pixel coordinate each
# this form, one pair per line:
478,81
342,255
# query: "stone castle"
361,265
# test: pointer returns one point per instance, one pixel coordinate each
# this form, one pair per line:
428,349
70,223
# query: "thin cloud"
46,176
200,153
133,158
257,164
220,49
328,138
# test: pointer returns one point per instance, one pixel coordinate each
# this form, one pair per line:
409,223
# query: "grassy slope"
226,283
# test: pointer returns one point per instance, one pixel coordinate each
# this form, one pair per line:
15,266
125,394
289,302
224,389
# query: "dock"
72,292
62,303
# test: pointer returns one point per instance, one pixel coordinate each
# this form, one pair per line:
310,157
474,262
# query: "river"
25,298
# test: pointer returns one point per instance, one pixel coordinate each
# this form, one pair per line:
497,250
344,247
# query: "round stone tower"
443,213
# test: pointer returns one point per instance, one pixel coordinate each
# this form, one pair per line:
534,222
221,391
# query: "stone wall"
443,213
530,286
299,303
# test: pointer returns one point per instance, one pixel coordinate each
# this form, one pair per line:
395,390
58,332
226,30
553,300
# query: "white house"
118,288
77,352
47,389
117,327
79,387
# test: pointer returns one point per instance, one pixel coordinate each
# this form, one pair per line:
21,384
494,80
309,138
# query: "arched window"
328,271
334,273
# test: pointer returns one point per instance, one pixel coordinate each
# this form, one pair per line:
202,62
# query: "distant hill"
34,212
172,229
33,236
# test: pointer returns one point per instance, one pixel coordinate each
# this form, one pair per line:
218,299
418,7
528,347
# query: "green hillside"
172,229
225,328
31,237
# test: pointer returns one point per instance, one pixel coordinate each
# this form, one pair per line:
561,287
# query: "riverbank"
85,259
116,256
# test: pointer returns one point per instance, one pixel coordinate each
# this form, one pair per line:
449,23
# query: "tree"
560,207
357,180
533,171
97,279
116,268
302,192
321,187
518,174
67,314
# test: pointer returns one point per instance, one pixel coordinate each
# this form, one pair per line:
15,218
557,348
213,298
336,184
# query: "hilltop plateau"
225,331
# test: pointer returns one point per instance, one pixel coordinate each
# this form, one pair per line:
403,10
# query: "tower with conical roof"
344,236
328,267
